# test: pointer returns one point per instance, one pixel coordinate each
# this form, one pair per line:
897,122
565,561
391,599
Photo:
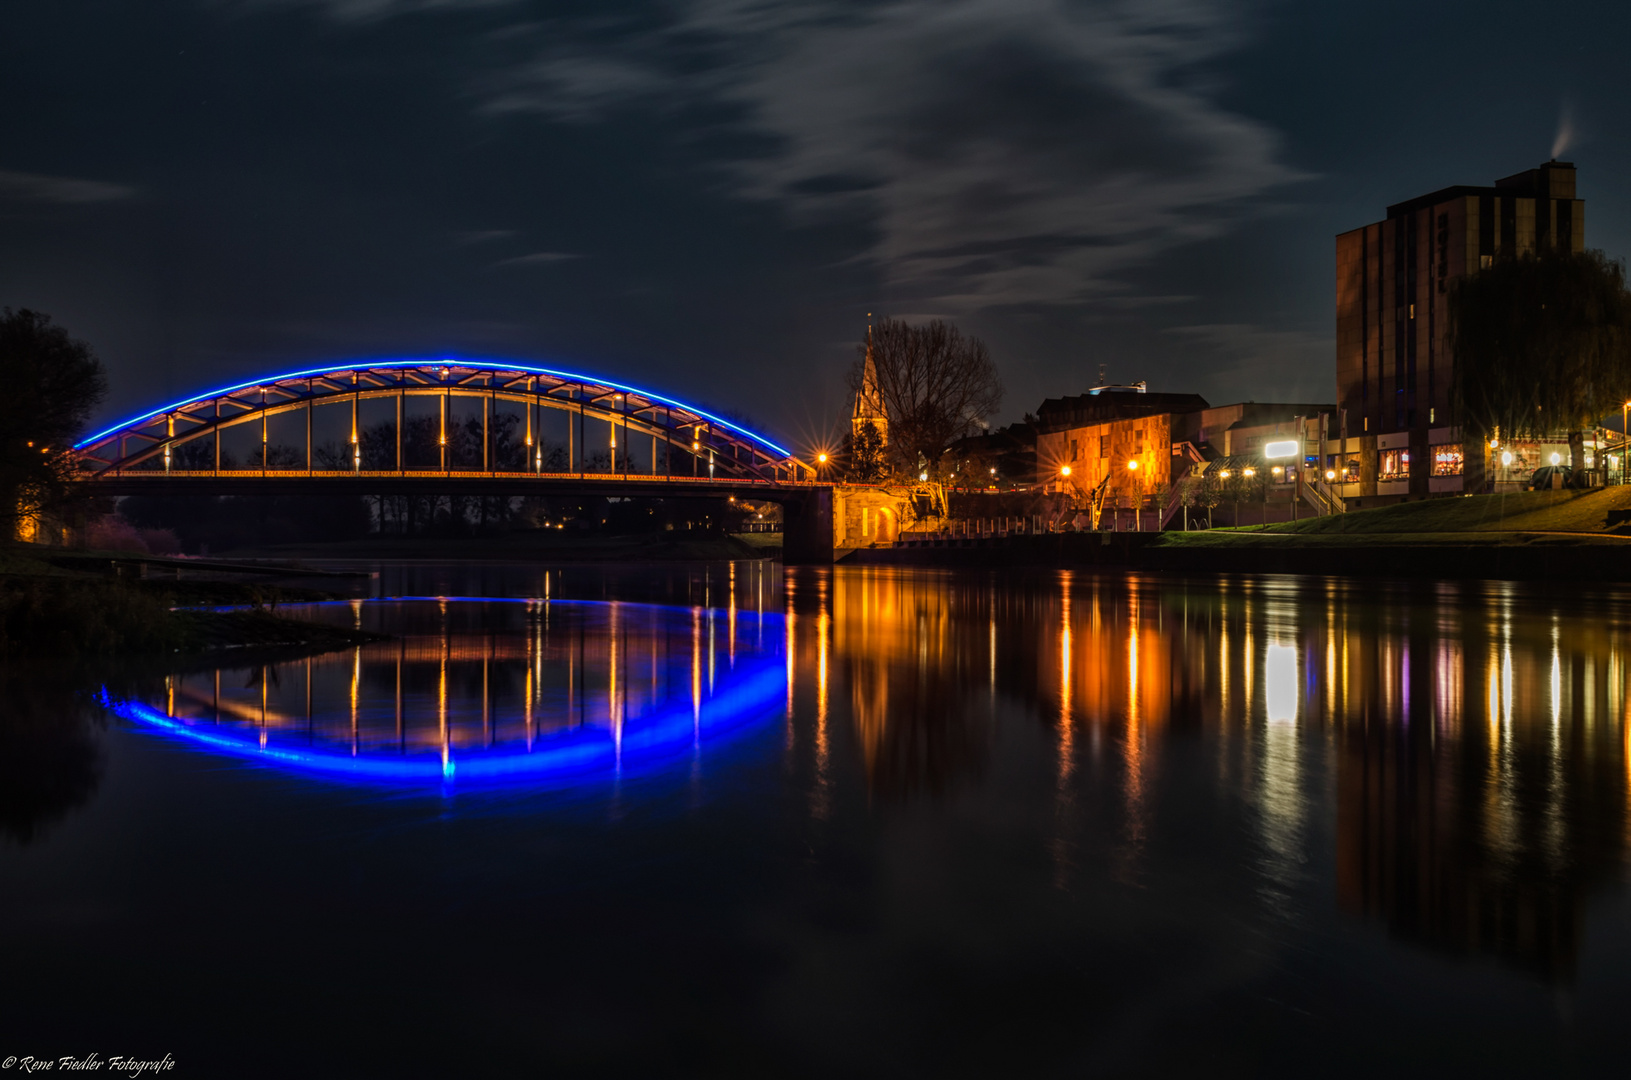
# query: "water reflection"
1470,741
487,690
51,759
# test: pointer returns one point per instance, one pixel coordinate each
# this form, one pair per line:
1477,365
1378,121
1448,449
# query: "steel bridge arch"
707,446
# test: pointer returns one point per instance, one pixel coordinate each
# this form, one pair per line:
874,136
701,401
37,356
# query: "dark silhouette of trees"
1541,345
937,384
867,458
50,385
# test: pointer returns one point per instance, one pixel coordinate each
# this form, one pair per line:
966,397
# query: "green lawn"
1530,511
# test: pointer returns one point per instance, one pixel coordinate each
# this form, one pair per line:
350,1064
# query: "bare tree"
937,385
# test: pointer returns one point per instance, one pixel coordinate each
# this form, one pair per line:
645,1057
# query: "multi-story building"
1100,433
1143,443
1395,434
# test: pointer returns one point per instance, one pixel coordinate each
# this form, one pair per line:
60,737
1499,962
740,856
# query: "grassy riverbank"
55,604
1536,535
1576,515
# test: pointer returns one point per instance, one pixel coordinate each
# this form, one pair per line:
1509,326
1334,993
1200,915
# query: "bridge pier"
807,527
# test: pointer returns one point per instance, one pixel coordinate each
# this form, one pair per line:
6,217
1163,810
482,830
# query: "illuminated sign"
1283,448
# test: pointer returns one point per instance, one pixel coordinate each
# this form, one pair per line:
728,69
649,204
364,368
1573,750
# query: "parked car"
1549,476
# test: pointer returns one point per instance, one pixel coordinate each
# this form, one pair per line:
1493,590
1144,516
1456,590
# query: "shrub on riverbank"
68,617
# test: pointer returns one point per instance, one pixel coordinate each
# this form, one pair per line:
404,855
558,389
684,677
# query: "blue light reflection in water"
472,693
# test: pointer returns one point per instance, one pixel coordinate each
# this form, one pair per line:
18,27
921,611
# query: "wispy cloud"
37,188
371,10
1003,151
482,236
538,258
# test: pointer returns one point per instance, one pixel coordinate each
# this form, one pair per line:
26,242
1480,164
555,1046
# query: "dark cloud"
538,258
32,187
1002,154
209,190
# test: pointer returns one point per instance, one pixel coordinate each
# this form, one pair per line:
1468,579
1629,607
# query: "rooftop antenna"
1101,374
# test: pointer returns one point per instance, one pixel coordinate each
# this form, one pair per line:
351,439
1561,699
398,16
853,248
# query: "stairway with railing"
1323,498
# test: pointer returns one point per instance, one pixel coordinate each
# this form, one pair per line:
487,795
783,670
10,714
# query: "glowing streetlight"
1506,457
1556,458
822,458
1277,470
923,476
1224,473
1248,473
1064,470
1132,466
1330,474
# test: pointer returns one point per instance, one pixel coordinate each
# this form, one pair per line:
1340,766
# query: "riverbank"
1533,536
85,604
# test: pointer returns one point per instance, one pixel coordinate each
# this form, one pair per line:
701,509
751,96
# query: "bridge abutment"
807,528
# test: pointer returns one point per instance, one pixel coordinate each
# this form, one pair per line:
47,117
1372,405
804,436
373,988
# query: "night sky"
706,197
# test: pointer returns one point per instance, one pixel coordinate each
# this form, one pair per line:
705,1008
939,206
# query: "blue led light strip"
476,365
755,686
574,753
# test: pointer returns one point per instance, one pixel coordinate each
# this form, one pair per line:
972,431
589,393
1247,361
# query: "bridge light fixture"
822,458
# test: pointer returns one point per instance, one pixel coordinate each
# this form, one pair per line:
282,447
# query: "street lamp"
1064,471
1133,466
1624,409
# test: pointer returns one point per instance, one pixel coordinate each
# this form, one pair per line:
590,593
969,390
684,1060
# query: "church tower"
868,400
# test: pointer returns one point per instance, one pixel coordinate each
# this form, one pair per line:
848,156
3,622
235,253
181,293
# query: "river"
735,820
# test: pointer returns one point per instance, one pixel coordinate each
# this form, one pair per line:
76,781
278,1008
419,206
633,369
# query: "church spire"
869,407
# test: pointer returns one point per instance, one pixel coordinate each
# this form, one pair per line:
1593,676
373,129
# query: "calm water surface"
732,820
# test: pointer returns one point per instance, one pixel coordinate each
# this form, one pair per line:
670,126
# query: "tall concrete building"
1395,434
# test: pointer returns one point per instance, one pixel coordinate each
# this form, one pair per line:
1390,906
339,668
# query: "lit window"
1395,465
1447,460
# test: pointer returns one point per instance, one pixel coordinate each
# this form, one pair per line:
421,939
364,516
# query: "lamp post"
1138,496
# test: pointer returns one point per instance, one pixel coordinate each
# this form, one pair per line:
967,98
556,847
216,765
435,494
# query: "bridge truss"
399,420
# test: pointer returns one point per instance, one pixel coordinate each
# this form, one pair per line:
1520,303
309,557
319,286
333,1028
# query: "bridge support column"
807,528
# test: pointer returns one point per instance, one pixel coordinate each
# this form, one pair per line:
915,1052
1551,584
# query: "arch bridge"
453,426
